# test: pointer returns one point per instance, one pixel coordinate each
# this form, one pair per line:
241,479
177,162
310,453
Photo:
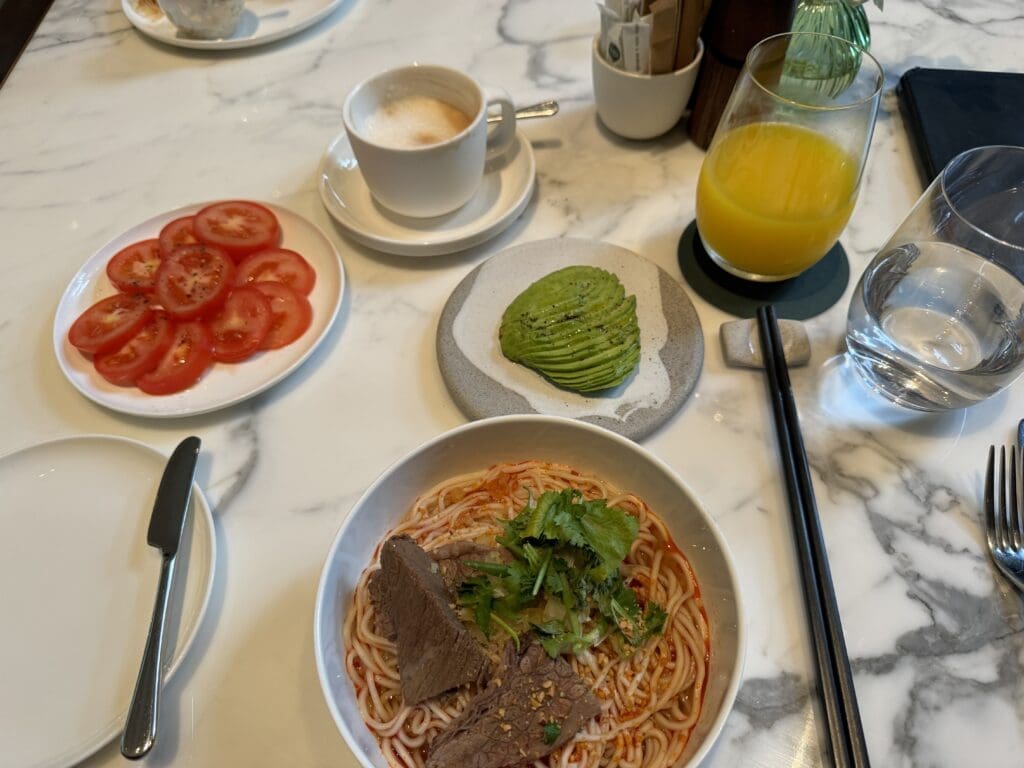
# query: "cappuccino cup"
420,136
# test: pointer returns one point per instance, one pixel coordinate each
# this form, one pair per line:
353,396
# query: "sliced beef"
382,621
504,725
435,652
451,561
452,558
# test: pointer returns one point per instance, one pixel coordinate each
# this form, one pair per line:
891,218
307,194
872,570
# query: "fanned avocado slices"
575,326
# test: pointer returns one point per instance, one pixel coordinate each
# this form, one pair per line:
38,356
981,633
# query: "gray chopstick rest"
742,349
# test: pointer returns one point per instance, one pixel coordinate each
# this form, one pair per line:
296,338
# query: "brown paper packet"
664,28
691,19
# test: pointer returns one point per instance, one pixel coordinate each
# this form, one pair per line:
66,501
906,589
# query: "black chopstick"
836,678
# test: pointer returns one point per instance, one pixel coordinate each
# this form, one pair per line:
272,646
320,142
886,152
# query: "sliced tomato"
291,313
178,233
139,354
184,361
194,281
133,268
241,325
238,226
277,265
110,322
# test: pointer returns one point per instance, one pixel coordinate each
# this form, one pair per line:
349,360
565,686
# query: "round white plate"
263,21
79,583
503,195
223,385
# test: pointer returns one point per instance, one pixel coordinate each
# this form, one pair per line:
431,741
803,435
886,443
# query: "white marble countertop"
102,128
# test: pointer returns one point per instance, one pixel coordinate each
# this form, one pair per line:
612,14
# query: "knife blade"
165,528
168,518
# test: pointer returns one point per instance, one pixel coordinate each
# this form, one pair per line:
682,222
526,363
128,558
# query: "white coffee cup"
439,176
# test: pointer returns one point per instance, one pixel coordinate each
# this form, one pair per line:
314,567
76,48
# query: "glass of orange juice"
782,173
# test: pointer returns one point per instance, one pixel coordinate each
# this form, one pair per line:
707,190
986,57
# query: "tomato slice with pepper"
177,233
184,361
139,354
133,269
290,311
110,322
277,265
241,325
238,226
194,281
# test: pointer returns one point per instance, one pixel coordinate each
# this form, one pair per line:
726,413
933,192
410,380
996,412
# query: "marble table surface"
102,128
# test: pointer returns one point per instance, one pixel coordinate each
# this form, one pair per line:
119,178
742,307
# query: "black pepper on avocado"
575,326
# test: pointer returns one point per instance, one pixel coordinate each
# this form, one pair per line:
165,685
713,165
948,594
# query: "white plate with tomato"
198,308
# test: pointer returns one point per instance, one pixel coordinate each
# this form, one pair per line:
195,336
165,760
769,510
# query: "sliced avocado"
576,326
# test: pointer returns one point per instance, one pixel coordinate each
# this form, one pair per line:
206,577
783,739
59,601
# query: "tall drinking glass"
937,320
781,175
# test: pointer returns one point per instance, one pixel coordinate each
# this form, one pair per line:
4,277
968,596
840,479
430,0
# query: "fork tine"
1000,534
1014,513
990,498
1012,506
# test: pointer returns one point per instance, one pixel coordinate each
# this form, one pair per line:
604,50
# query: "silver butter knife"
165,527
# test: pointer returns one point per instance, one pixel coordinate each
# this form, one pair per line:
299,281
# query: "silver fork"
1004,526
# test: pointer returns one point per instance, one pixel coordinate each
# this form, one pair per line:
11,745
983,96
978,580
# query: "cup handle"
500,138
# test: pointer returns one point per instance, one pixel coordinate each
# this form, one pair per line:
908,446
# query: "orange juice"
772,197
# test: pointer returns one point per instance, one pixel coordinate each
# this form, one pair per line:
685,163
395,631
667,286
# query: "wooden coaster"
799,298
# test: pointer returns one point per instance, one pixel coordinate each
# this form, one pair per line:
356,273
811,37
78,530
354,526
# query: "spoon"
543,109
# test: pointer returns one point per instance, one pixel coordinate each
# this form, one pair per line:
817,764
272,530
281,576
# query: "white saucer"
502,197
263,21
78,583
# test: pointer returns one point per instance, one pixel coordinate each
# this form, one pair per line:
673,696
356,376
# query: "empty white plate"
263,21
77,585
223,384
503,195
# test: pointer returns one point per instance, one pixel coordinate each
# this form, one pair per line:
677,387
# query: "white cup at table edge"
637,106
437,178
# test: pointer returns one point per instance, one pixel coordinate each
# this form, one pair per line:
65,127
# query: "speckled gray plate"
484,383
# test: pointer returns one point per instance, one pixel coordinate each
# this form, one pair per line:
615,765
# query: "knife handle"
140,728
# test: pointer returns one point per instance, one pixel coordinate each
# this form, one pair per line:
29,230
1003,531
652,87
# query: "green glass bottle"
842,18
834,68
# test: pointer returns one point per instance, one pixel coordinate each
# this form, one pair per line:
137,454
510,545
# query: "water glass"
782,173
937,319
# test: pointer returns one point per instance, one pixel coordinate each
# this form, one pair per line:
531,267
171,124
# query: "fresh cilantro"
551,732
563,578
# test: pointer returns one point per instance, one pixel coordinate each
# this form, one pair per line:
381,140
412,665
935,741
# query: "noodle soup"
650,693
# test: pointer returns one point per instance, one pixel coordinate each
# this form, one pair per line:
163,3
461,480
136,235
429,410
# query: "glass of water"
937,319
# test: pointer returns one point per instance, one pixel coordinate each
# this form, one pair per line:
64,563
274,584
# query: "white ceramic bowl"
508,438
641,106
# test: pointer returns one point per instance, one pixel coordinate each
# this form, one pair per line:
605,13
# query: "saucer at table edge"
263,21
79,581
503,195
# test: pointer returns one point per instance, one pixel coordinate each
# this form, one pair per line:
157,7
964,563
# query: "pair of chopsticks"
840,698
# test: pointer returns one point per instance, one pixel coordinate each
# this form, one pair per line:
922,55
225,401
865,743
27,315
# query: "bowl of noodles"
662,683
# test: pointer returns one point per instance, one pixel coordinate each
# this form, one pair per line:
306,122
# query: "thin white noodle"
650,701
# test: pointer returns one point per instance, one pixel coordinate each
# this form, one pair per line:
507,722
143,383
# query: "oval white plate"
510,438
263,21
223,385
503,195
79,582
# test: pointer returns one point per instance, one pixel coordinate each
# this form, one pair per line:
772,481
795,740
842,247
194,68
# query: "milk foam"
414,121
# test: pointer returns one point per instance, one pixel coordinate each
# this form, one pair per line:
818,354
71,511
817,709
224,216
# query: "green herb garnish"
563,580
551,732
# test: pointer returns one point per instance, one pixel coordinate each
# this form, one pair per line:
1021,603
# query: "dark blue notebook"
948,111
